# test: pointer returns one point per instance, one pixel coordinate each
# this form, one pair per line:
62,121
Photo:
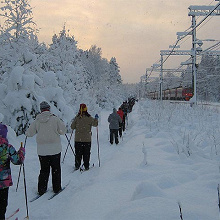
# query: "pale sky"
133,31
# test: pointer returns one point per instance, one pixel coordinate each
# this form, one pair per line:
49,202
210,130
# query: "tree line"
59,73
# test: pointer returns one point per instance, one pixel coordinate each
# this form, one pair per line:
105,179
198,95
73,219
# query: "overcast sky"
133,31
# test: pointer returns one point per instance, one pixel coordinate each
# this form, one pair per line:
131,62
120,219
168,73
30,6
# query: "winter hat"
3,130
82,108
44,106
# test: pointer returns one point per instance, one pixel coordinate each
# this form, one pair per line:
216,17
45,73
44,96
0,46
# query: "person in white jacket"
48,128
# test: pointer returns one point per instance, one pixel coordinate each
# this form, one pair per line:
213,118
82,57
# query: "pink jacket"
8,154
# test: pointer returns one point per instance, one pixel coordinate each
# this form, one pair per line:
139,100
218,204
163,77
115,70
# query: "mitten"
96,116
21,154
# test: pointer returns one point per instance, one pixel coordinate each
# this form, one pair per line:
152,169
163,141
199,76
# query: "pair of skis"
81,169
14,213
51,197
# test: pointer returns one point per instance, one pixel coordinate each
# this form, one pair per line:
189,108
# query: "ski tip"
15,212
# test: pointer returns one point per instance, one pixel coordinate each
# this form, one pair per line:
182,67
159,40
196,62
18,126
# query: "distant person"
82,124
121,114
131,102
48,128
114,119
124,108
7,154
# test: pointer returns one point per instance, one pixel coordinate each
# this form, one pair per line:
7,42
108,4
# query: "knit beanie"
82,108
3,130
44,105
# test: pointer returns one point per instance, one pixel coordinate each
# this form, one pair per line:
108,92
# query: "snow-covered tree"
60,73
18,18
208,78
19,98
17,37
114,71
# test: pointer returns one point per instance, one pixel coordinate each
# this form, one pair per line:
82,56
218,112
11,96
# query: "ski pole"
25,189
69,144
180,208
218,188
20,166
98,145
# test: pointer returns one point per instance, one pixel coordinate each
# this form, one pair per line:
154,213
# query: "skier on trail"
48,128
121,114
82,124
114,119
7,154
124,108
131,102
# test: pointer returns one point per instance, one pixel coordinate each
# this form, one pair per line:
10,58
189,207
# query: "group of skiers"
117,120
48,129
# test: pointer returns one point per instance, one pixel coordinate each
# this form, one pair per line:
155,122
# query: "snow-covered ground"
169,154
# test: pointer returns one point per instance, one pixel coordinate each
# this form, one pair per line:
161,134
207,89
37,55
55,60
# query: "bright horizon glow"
132,31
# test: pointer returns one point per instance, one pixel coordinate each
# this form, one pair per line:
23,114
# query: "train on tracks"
179,93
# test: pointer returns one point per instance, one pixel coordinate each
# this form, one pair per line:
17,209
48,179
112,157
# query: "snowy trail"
125,187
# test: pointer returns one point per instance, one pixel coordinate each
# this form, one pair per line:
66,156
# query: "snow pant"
3,202
114,135
82,151
123,123
47,162
120,129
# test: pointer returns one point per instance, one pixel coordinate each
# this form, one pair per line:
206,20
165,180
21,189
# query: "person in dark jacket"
7,154
124,108
114,119
83,123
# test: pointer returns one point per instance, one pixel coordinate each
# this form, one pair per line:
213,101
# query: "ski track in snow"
129,185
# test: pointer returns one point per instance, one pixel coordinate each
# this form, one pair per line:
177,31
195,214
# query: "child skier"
7,154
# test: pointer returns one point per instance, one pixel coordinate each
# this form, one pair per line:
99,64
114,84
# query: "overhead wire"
215,7
199,28
176,43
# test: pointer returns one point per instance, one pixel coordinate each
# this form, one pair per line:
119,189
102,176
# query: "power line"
191,32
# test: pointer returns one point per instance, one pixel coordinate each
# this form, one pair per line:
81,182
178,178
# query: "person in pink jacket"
7,154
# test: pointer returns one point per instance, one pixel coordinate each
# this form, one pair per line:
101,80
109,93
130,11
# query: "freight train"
178,93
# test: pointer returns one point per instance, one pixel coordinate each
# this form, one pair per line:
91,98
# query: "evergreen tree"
208,78
18,18
115,71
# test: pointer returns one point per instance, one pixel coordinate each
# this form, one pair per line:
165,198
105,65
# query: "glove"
96,116
21,154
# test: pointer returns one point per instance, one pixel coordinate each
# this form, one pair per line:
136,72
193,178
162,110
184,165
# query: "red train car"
187,93
178,93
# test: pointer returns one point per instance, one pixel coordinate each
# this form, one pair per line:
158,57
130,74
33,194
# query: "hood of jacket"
44,117
3,140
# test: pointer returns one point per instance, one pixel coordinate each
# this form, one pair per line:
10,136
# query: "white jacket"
48,128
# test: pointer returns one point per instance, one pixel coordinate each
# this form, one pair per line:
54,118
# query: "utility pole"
146,83
199,11
194,70
161,77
